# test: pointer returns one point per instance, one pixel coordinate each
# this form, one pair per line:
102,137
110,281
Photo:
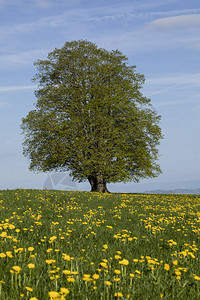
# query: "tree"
91,118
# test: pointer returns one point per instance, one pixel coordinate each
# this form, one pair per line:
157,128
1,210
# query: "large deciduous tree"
91,118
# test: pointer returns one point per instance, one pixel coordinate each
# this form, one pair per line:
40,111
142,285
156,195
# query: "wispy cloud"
177,22
21,58
13,88
175,79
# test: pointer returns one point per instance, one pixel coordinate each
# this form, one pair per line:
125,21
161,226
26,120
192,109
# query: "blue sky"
162,38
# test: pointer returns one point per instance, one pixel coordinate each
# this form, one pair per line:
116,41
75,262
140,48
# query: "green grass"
98,246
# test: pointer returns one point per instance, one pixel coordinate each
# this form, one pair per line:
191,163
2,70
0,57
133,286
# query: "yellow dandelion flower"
177,272
117,257
70,279
104,265
116,279
50,261
95,276
66,272
132,275
66,257
166,267
17,269
117,272
53,294
108,283
64,291
30,249
31,266
119,295
9,254
28,289
196,277
124,262
2,255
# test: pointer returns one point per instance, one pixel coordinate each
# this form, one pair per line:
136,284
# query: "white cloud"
175,79
176,22
21,58
12,88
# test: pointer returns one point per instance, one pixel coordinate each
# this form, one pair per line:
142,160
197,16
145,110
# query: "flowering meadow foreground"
81,245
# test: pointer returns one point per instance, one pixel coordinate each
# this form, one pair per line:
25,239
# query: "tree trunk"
98,184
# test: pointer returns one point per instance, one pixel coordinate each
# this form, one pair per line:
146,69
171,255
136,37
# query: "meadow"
82,245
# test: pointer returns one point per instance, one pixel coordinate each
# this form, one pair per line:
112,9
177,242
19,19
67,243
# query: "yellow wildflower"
17,269
30,249
124,262
108,283
31,266
29,289
118,294
64,291
53,294
166,267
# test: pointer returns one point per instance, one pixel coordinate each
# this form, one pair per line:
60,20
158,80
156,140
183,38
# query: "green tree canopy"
91,118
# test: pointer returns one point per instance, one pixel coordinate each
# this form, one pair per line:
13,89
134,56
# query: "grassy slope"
152,240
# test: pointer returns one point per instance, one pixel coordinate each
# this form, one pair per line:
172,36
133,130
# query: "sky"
161,38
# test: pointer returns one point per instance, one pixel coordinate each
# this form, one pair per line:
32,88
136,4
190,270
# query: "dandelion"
64,291
30,249
66,257
53,294
104,265
124,262
118,295
108,283
95,276
50,261
86,277
196,277
177,272
70,279
28,289
31,266
117,272
166,267
66,272
9,254
17,269
116,279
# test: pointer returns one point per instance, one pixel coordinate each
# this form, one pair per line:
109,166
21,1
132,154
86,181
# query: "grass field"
81,245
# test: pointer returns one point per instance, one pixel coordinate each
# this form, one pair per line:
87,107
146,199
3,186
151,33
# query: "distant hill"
176,191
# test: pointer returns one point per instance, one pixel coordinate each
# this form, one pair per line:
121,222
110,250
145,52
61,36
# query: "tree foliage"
91,118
